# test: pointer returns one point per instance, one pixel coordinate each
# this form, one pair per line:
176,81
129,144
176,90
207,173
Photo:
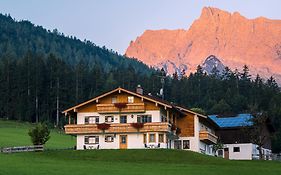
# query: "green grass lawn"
123,162
115,162
15,134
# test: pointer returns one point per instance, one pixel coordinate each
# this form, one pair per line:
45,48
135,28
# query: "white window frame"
130,99
92,140
91,119
109,138
109,119
140,118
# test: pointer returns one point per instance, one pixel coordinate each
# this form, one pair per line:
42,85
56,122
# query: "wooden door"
123,142
226,153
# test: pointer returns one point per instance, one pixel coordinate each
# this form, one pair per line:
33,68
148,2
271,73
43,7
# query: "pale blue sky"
114,23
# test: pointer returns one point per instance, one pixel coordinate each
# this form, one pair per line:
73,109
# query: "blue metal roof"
239,120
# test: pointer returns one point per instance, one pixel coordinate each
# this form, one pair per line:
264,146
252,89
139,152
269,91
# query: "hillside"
231,37
19,37
40,70
15,134
125,162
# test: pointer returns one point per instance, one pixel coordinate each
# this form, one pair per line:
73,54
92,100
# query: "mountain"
211,64
232,37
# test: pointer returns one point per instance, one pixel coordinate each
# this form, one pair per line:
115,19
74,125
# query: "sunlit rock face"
232,38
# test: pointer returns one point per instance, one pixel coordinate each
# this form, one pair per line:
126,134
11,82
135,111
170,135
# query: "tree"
198,110
256,132
40,134
221,108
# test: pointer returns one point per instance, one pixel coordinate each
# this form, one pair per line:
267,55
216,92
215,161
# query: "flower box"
137,125
120,105
103,126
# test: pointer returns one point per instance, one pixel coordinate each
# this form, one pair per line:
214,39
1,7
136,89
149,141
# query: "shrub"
40,134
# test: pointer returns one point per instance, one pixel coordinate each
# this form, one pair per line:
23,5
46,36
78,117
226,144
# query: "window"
144,138
91,119
114,99
220,152
144,118
236,149
109,119
123,119
177,144
109,139
91,140
151,137
161,138
130,99
186,144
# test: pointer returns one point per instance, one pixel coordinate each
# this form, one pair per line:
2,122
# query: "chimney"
139,90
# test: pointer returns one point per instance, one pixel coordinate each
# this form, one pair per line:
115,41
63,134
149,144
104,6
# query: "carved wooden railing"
129,107
208,137
116,128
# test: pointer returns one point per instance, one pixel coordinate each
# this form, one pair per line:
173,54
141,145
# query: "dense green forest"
43,72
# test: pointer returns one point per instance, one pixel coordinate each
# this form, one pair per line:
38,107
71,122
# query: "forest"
44,72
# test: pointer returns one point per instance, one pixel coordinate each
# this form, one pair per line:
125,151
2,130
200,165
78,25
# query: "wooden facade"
117,128
186,124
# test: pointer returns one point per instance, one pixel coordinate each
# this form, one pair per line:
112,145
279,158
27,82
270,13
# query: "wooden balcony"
116,128
208,137
129,107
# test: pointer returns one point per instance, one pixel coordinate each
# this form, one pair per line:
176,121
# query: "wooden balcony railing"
116,128
208,137
111,108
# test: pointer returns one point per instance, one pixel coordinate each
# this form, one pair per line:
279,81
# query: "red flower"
137,125
103,126
120,105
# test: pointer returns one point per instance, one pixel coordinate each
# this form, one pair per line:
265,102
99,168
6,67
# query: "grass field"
15,134
119,162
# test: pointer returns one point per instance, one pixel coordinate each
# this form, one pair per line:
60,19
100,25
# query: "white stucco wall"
245,151
134,141
131,118
248,151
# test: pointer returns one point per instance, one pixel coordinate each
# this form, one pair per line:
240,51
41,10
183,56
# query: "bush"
40,134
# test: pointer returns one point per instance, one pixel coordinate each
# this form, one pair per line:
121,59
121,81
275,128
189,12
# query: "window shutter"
86,120
139,119
86,140
149,119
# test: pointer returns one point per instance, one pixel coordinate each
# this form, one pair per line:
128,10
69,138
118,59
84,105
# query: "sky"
114,23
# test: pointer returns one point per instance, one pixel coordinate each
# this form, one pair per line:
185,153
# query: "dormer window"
130,99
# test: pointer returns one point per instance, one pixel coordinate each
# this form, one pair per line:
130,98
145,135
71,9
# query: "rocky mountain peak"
233,38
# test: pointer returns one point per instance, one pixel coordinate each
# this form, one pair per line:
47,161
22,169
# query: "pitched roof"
147,97
240,120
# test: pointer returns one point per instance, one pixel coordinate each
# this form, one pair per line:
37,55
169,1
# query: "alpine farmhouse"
122,119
